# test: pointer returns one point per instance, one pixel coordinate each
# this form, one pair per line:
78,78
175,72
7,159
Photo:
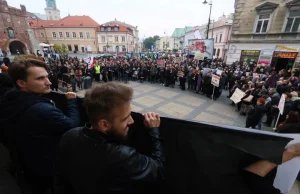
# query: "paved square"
175,110
166,94
148,101
136,93
192,101
223,109
144,88
136,108
206,117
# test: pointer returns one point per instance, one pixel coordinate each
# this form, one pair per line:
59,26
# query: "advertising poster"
265,57
201,48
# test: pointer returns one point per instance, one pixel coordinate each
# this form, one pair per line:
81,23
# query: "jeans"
259,124
73,87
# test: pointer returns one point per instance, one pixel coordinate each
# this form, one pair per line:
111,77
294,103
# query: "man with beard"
93,159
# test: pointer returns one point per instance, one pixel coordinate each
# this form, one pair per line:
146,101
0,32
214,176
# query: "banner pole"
213,93
277,121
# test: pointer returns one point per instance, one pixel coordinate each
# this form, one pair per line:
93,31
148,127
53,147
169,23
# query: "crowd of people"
263,85
32,126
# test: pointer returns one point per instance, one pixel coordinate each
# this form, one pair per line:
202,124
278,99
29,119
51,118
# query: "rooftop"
67,22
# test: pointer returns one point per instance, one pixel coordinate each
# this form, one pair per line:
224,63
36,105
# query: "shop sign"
283,48
251,52
285,55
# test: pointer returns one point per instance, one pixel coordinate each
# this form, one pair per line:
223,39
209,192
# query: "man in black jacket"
93,159
31,125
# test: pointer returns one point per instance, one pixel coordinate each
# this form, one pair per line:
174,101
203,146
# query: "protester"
31,125
93,159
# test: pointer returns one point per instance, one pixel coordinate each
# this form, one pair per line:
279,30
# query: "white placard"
237,96
215,80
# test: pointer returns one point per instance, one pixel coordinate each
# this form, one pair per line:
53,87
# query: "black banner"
204,158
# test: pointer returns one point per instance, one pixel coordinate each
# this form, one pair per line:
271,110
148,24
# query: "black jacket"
89,162
32,126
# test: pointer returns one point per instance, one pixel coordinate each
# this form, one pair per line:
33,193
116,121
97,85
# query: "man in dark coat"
94,159
31,125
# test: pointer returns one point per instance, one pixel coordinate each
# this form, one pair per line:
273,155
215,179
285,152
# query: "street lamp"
210,3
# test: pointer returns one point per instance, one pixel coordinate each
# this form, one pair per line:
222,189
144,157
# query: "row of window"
116,28
67,35
82,48
114,49
292,25
217,52
110,38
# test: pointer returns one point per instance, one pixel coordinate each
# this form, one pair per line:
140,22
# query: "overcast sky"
153,17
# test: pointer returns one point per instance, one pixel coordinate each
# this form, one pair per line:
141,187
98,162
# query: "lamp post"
210,3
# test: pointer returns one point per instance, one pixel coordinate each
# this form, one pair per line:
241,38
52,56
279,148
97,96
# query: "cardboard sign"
161,62
215,80
237,96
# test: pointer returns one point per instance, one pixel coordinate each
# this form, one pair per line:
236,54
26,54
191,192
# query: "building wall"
89,44
17,20
244,28
110,39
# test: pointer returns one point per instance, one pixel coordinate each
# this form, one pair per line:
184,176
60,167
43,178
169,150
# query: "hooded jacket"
32,126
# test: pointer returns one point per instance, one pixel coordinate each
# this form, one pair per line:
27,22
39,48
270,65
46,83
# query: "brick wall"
16,19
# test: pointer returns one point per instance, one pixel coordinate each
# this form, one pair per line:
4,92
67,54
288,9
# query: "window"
116,39
262,23
220,38
214,52
123,38
123,49
108,28
293,22
67,34
218,52
115,29
69,47
54,34
11,33
81,35
103,39
74,35
104,48
60,35
76,47
88,36
102,28
216,38
42,35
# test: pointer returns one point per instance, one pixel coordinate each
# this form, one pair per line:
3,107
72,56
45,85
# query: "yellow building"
78,33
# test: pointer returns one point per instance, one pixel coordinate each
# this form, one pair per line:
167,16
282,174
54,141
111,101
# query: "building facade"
220,31
78,33
135,32
13,29
266,32
178,37
114,37
51,10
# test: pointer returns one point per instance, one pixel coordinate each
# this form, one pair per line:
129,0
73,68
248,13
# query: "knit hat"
262,100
